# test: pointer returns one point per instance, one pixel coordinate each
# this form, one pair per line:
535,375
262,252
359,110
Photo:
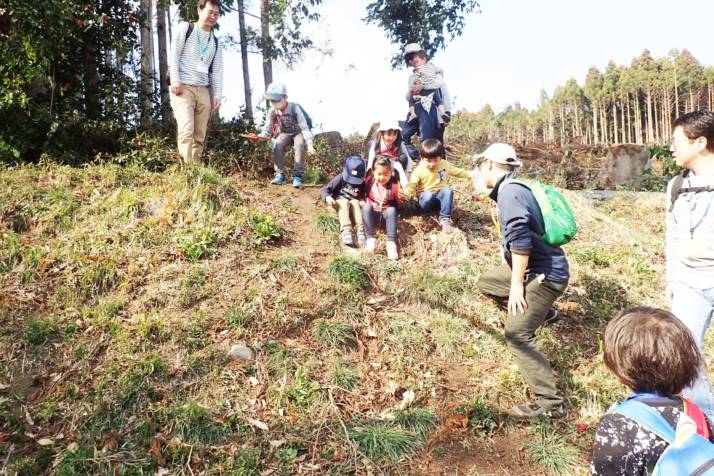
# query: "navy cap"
354,170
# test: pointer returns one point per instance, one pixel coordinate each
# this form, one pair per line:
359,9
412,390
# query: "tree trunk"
163,61
629,120
650,125
244,61
91,80
676,94
622,119
266,42
615,138
595,136
147,78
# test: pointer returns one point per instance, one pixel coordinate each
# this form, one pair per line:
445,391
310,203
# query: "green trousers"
521,328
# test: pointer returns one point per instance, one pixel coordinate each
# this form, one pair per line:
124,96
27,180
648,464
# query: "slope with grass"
122,290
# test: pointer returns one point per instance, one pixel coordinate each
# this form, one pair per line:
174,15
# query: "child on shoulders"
427,182
382,191
345,193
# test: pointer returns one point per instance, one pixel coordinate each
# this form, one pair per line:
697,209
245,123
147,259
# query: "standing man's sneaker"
532,410
446,225
552,317
392,250
278,180
370,245
297,182
361,238
347,237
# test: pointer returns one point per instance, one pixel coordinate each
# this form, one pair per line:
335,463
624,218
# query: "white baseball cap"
389,124
501,154
412,48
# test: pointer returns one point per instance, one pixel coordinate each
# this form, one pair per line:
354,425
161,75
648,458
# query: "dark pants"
520,329
443,200
371,220
427,126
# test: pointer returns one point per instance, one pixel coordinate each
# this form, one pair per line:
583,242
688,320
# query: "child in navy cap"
344,193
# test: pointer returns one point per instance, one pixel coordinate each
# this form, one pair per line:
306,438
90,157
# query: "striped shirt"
185,55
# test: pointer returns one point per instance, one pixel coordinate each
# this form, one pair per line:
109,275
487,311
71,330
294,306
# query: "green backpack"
560,226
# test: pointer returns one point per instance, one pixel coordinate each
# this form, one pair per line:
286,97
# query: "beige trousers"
344,207
192,109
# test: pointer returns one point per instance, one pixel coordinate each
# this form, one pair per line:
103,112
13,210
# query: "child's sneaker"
446,225
278,180
392,250
361,238
347,237
370,245
297,181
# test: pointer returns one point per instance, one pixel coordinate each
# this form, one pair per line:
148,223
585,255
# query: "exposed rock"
241,352
624,165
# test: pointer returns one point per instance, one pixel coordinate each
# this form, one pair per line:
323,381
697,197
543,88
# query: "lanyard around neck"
200,47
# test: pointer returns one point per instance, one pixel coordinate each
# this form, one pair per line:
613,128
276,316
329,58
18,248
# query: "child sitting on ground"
652,353
427,182
387,140
345,193
382,191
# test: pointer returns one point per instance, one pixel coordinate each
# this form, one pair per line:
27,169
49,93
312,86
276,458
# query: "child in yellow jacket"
427,182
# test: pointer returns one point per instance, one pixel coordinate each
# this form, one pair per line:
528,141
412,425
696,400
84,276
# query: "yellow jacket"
425,180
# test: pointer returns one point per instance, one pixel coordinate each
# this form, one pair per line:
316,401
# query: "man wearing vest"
286,124
196,76
534,276
690,236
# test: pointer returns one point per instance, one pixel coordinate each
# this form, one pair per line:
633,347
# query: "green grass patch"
286,264
550,450
348,270
303,392
343,375
333,333
199,243
327,222
39,330
444,291
194,424
384,442
265,229
418,420
447,332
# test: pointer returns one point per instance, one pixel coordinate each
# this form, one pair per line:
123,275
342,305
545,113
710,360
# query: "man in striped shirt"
196,77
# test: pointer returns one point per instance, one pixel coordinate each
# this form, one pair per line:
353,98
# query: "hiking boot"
297,182
446,225
370,245
361,238
278,180
446,117
347,237
532,410
392,250
552,317
412,117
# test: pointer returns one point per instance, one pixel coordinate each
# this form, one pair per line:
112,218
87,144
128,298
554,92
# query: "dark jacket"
339,188
521,225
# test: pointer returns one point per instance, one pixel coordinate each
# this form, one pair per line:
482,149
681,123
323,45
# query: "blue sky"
509,52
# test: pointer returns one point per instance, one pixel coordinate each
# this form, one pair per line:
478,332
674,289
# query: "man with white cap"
534,276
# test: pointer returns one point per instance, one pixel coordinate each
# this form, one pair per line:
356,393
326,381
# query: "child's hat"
501,154
275,91
354,170
388,125
412,48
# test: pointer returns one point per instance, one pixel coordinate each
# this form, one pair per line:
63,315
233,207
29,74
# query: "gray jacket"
690,235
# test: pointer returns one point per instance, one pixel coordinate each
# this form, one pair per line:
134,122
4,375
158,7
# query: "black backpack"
677,189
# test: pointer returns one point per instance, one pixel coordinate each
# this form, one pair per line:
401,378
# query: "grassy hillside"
122,291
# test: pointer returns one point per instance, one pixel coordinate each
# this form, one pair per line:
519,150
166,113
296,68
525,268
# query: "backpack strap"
647,417
676,189
696,414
